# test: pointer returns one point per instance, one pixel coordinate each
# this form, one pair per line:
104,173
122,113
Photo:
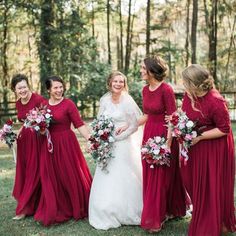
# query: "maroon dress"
65,177
163,191
27,182
210,170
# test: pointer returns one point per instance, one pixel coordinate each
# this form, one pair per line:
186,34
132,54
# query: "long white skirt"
116,196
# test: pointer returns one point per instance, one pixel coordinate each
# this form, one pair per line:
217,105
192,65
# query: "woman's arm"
210,134
84,131
142,120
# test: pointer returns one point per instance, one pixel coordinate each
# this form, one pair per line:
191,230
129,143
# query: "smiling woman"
119,201
64,173
27,184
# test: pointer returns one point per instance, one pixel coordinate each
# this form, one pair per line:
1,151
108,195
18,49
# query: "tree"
46,41
194,31
127,51
148,16
108,32
187,34
211,22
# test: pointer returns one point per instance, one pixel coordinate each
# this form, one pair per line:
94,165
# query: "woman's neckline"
59,102
25,103
156,88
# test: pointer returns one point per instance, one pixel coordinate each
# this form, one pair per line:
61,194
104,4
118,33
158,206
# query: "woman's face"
143,71
117,84
22,90
56,91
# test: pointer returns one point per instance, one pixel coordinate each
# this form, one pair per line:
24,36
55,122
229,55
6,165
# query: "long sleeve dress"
210,171
27,181
64,173
116,196
163,191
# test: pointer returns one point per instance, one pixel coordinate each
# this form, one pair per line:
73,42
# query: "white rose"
100,132
38,120
158,139
181,125
189,124
194,134
156,151
47,116
37,128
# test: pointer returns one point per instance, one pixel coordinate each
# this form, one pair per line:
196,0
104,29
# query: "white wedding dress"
116,196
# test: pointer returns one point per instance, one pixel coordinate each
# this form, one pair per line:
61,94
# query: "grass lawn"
28,226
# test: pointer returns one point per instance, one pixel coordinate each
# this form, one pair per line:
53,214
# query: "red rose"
104,136
162,151
91,139
95,146
9,122
174,119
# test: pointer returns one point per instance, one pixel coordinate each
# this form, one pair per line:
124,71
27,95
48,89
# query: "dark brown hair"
52,78
157,67
18,78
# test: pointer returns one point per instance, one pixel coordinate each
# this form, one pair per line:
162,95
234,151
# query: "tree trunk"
194,31
46,44
121,57
127,53
108,32
148,16
230,48
4,56
211,24
187,34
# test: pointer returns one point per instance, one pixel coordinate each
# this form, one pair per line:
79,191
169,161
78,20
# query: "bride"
116,195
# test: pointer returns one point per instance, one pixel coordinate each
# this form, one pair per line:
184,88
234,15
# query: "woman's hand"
195,140
168,118
168,143
121,129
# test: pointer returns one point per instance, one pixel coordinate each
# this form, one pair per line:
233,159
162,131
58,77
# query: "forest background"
83,40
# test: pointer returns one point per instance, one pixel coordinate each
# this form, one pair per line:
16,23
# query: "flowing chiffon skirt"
163,190
66,180
209,179
27,186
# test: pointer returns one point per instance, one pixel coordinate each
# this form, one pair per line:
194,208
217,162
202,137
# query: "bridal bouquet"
7,135
101,140
39,119
155,152
183,129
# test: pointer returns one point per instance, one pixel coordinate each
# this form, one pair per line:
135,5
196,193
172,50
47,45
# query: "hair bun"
207,84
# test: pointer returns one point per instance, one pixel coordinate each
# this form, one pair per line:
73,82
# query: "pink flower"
6,128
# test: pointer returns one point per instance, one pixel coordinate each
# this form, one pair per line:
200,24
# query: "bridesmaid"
163,191
27,185
64,173
210,171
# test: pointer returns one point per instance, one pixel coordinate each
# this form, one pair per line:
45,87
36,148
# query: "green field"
28,226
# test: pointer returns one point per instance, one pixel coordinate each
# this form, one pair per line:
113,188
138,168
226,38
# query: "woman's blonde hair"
113,75
197,79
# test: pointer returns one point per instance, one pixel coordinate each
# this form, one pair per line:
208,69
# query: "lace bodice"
126,112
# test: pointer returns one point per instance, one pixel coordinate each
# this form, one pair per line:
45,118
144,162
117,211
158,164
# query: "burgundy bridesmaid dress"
210,171
27,181
65,177
163,190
